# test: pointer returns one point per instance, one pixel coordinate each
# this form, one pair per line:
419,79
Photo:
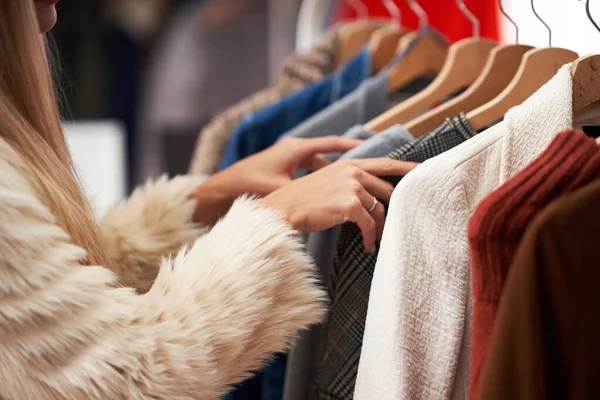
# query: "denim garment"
260,129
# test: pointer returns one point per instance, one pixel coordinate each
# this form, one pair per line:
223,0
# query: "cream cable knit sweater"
212,313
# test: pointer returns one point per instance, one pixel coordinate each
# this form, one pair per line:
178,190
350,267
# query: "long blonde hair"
30,123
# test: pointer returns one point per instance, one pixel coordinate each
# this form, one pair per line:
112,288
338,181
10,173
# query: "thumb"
314,163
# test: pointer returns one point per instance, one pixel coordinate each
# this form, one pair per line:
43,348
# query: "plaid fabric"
298,71
353,272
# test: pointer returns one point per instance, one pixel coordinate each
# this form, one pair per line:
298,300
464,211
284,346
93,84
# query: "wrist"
215,196
290,218
222,187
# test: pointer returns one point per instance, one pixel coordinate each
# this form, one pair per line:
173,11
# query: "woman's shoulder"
8,153
14,171
18,194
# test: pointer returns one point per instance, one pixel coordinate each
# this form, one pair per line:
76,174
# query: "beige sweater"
215,311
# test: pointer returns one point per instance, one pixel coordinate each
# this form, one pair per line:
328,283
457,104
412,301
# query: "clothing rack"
504,126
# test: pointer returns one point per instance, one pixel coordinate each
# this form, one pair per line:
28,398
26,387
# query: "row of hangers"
496,77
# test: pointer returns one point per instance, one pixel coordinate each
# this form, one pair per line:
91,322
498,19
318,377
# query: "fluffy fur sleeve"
214,312
155,222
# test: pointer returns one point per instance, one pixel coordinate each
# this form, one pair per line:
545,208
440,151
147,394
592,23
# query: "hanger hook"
545,24
503,11
589,15
417,9
361,9
470,16
394,11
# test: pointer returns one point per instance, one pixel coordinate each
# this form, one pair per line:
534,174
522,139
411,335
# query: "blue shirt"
260,129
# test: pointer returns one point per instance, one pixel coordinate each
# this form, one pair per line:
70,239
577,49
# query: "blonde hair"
30,124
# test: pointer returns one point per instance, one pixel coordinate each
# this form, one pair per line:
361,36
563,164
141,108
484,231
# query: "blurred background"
140,78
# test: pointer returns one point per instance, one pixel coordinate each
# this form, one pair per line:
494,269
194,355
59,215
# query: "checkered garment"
353,272
298,70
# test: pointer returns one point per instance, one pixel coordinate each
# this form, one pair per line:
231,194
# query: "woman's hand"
275,167
264,173
344,191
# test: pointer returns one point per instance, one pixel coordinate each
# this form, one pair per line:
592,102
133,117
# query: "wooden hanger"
586,75
383,44
384,41
353,36
537,67
423,55
586,81
500,68
463,64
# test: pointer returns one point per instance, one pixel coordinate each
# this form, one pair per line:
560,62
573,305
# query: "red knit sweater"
571,161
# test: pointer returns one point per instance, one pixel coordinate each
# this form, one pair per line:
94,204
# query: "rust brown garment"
546,343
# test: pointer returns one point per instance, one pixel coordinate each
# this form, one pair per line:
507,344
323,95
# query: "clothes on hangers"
261,129
369,100
416,319
496,228
321,246
356,132
545,341
284,115
420,303
350,279
298,71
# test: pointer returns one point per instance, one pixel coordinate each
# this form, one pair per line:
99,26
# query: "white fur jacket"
212,313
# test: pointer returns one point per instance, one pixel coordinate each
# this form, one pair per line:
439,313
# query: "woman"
72,325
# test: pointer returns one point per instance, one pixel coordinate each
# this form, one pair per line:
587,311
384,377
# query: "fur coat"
209,313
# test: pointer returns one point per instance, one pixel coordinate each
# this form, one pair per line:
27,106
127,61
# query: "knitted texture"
571,161
545,342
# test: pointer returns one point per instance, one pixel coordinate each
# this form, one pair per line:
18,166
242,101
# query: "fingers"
384,166
378,215
327,144
367,200
368,187
376,187
315,163
367,225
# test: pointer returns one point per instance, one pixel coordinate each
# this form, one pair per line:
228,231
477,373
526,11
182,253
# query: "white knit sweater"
417,338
